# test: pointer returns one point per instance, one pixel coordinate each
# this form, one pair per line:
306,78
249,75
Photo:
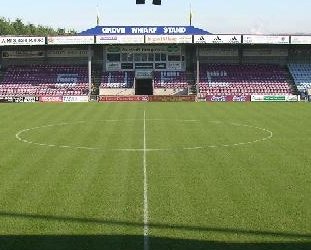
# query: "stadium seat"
42,80
170,79
301,74
243,80
117,79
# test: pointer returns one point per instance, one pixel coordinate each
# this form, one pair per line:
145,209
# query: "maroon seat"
249,79
170,79
42,80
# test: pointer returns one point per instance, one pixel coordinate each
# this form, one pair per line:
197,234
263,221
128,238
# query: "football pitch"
153,176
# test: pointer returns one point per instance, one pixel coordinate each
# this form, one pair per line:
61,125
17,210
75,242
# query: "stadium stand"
117,79
170,79
44,80
301,74
243,80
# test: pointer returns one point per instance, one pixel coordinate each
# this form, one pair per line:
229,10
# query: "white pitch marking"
139,149
176,120
88,148
194,148
146,212
145,149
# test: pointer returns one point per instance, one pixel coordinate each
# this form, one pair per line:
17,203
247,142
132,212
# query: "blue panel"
144,30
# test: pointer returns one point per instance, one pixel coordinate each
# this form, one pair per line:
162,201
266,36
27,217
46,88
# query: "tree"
5,27
19,28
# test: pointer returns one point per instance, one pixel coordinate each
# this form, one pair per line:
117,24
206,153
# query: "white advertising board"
75,98
20,40
222,39
261,39
115,39
300,39
169,39
71,40
274,98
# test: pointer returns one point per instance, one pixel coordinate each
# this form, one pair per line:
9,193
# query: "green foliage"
18,27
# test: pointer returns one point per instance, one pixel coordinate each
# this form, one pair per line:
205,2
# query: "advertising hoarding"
60,40
262,39
20,40
51,99
274,98
168,39
227,98
115,39
300,39
123,99
75,98
220,39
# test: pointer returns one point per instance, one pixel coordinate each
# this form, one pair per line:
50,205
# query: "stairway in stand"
192,89
96,80
292,82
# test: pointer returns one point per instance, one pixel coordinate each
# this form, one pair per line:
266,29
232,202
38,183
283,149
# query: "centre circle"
128,135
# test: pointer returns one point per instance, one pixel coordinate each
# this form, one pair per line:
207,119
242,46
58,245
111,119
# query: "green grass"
249,196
